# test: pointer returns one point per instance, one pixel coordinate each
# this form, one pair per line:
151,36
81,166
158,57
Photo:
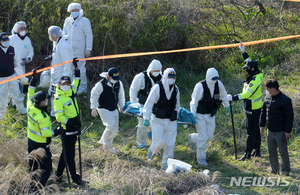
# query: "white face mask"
268,93
112,81
50,38
5,44
155,74
65,87
23,33
75,14
46,103
171,81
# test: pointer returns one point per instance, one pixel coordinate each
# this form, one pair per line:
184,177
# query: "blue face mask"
5,44
75,14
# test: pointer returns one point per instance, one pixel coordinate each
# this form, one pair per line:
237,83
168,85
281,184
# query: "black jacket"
277,111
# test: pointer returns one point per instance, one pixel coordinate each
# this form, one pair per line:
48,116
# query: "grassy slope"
220,154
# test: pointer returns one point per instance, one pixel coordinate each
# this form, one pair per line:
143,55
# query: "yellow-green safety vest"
252,93
64,107
39,123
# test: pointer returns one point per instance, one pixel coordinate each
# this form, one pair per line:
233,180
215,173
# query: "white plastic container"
176,166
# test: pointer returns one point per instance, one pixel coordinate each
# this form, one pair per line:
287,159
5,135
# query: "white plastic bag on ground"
176,166
45,79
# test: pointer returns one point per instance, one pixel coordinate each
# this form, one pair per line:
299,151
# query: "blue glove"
149,134
146,123
228,111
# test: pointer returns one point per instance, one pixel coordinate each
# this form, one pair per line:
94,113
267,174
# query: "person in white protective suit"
7,57
164,103
106,96
78,32
23,50
206,98
61,52
139,91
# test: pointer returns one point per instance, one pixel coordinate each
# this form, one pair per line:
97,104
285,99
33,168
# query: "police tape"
155,53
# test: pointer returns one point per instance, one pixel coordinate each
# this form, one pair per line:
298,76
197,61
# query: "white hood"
211,72
165,81
154,65
103,74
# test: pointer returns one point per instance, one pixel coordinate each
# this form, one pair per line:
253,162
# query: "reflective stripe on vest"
32,119
68,102
256,100
74,87
43,129
71,133
34,132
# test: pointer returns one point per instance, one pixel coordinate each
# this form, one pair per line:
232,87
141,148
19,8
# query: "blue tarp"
185,115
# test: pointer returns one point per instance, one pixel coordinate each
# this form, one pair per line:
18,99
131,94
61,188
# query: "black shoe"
247,155
59,179
256,153
286,173
80,182
275,172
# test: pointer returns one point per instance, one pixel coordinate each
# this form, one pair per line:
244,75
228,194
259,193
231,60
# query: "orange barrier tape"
292,0
158,52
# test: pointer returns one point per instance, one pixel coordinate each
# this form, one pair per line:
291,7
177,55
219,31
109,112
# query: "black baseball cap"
251,64
64,79
114,73
4,36
40,96
172,74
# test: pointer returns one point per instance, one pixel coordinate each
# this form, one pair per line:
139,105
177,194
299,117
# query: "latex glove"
121,110
94,113
227,111
26,59
23,80
146,123
87,53
242,47
229,96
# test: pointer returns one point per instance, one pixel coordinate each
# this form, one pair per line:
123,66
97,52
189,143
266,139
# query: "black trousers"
45,163
253,132
69,141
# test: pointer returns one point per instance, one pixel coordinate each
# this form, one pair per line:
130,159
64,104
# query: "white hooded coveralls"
110,119
138,83
164,131
62,52
23,49
205,123
79,35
